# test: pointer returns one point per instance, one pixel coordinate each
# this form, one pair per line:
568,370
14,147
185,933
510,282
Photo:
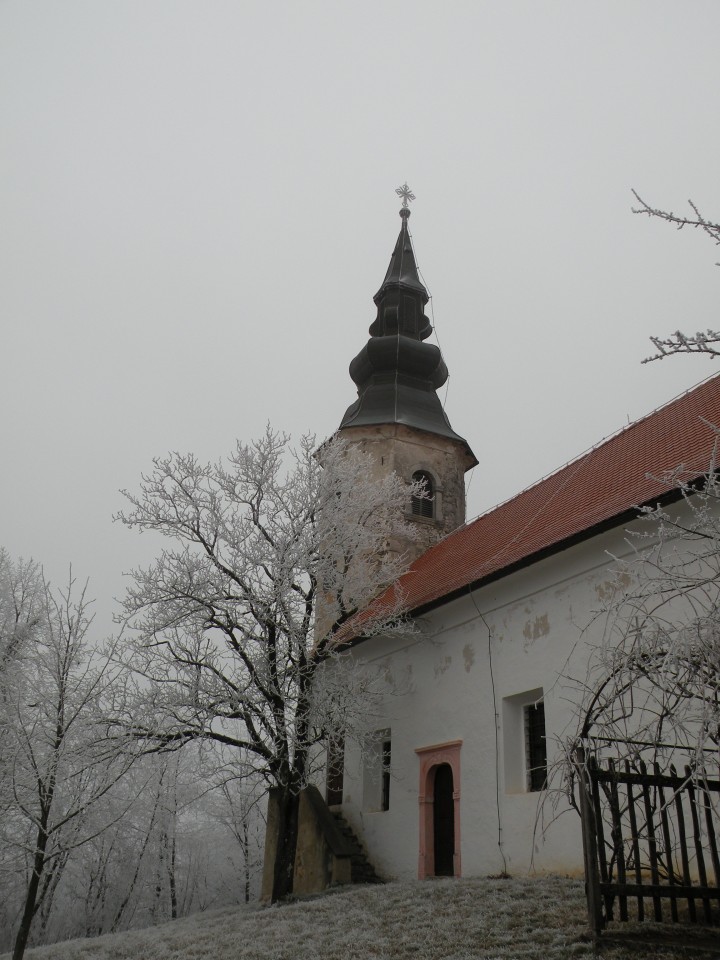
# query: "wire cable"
497,732
434,324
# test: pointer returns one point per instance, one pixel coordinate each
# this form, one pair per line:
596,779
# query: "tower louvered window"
424,506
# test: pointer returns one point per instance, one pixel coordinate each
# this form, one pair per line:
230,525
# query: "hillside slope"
532,919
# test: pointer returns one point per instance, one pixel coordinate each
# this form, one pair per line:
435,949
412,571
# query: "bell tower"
398,416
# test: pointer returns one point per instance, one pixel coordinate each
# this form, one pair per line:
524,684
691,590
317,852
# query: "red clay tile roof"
602,485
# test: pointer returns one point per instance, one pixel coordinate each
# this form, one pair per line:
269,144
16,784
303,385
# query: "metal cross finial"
405,192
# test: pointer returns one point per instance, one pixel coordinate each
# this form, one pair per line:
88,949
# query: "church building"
480,698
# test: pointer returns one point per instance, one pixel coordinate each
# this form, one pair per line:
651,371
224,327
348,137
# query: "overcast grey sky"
197,205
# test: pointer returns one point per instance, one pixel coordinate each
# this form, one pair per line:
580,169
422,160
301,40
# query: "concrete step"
361,870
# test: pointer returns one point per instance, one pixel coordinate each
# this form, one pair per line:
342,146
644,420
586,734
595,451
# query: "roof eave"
625,516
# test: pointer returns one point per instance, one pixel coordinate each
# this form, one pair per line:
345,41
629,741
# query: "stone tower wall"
406,450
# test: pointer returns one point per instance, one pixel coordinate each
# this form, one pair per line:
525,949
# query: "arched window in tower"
423,506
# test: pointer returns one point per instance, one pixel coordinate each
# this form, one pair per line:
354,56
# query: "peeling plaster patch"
441,667
604,591
537,628
610,588
468,656
408,685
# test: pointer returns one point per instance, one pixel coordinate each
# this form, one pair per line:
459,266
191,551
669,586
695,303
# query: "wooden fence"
648,839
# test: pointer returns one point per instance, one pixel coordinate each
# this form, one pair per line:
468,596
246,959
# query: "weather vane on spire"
406,193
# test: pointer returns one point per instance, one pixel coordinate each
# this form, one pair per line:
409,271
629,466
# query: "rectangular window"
335,770
386,775
524,741
535,746
376,773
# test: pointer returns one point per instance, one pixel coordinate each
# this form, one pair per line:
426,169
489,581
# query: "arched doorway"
444,822
439,797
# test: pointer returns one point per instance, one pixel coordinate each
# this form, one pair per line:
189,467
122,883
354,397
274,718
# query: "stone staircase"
361,870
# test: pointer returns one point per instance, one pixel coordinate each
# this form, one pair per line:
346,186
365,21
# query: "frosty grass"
508,919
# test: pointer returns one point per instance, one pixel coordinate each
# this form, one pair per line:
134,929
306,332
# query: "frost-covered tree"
231,629
180,835
654,682
55,761
21,603
707,342
239,809
20,618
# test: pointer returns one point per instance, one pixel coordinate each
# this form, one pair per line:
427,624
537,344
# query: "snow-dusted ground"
532,919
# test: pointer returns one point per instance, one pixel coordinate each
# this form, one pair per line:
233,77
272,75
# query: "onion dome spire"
402,296
396,373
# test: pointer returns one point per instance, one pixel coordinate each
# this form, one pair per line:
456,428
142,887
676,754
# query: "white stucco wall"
440,689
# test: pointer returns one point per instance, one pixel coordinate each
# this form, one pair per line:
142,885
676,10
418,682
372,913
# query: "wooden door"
444,821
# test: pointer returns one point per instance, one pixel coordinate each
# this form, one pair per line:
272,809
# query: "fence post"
589,837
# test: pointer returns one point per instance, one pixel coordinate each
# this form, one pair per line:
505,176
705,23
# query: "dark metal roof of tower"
403,269
396,373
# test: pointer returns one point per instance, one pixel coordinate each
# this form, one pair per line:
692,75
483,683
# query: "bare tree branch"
707,343
712,229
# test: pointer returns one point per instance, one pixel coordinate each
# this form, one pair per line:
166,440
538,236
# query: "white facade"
460,686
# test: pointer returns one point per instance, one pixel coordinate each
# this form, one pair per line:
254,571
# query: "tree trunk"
289,805
173,887
32,892
46,894
138,865
289,796
245,846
